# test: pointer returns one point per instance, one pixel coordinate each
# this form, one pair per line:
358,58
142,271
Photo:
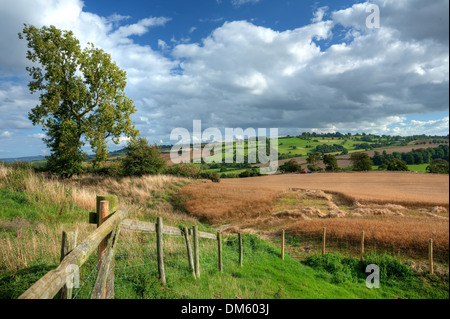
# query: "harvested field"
403,188
395,209
254,196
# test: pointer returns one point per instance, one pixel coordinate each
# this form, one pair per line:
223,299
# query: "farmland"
393,208
36,208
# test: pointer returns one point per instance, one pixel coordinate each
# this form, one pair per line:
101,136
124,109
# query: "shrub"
397,165
313,168
142,159
184,170
290,166
213,176
249,173
342,269
438,166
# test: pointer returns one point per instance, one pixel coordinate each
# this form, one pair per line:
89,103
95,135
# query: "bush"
342,269
249,173
397,165
184,170
313,168
213,176
290,167
142,159
438,166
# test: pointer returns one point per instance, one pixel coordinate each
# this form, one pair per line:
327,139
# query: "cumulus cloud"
245,75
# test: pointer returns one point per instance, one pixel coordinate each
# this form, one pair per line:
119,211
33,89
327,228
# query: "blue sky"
293,65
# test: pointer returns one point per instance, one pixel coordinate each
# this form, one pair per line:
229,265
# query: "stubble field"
394,209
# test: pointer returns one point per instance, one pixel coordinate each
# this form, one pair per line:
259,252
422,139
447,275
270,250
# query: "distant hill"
23,159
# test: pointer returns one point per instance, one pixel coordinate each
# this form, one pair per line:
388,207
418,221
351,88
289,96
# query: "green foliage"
438,166
325,148
249,173
361,162
397,165
348,269
81,95
331,162
12,285
290,166
313,159
142,159
213,176
415,157
184,170
313,168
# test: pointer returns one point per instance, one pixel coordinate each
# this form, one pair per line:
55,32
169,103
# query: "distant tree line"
326,148
417,156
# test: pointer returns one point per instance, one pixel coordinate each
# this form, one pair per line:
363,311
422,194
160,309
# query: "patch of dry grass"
24,243
218,202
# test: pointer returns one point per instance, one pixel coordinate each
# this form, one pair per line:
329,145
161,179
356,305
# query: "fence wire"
136,273
301,244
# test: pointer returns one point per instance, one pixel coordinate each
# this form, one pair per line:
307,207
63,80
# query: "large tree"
331,162
81,97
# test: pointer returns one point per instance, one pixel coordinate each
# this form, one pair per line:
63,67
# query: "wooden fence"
104,240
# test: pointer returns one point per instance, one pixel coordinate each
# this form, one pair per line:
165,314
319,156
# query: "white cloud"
319,14
431,127
238,3
5,134
139,28
244,75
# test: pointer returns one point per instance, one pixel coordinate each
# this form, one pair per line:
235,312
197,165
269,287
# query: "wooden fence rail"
51,283
104,240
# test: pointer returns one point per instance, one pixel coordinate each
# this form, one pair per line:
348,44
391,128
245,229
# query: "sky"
314,66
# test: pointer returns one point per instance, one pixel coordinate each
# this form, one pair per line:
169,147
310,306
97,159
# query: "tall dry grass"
28,242
411,233
217,202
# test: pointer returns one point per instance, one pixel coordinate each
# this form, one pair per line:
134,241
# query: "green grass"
421,168
265,276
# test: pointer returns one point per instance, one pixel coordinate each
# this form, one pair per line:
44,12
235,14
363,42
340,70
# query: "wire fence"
136,273
301,244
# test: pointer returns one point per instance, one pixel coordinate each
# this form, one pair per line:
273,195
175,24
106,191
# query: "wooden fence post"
189,250
430,255
324,236
196,252
103,212
219,244
159,250
240,249
362,246
282,245
68,243
104,284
